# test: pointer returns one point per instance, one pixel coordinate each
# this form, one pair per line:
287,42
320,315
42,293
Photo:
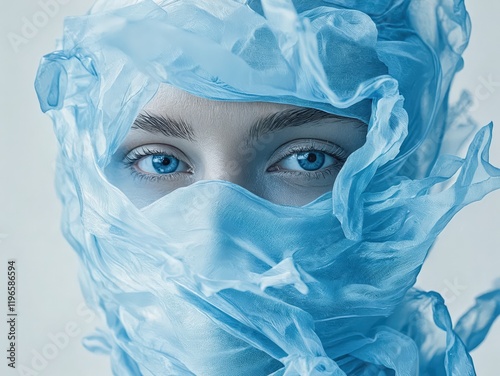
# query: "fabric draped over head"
327,291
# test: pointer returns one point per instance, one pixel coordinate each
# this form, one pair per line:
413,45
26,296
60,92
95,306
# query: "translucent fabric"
213,280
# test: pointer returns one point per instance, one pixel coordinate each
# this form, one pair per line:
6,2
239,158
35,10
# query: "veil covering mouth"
321,289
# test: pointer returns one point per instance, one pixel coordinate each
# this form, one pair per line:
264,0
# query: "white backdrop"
464,263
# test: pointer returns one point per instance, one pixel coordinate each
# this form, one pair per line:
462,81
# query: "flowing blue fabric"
246,286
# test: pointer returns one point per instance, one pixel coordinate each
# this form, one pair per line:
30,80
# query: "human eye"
157,162
314,159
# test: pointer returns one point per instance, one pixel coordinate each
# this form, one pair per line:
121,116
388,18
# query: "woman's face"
285,154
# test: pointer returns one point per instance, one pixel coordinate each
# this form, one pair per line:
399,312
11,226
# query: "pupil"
311,157
165,162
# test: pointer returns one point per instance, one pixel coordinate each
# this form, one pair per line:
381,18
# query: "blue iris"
164,164
312,160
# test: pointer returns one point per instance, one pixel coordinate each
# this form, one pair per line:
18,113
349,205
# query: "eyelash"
338,154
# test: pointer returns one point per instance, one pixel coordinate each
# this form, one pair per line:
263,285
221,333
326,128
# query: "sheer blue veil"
347,305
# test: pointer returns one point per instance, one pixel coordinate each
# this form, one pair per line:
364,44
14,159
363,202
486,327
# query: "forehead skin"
223,117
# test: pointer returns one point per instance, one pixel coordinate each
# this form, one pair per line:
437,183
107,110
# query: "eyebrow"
170,127
287,119
164,125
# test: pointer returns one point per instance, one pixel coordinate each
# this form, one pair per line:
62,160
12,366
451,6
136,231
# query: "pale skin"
178,139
